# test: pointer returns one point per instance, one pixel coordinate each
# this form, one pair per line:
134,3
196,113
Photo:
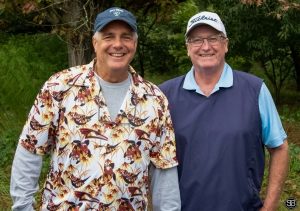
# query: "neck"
207,79
110,75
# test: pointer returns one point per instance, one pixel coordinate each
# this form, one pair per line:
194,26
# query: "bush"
26,63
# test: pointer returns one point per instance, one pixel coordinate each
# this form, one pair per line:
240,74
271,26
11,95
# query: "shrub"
26,63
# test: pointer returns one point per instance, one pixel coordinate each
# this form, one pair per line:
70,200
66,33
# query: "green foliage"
290,114
239,63
8,139
292,182
26,62
162,49
5,201
294,161
176,35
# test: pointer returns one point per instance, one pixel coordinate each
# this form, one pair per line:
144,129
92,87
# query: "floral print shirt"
98,163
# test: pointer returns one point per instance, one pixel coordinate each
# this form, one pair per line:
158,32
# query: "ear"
94,40
187,50
226,45
136,43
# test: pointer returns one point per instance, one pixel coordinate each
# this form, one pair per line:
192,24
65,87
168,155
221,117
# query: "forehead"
117,25
203,29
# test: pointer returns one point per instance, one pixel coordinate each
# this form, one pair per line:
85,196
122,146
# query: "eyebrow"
112,33
218,34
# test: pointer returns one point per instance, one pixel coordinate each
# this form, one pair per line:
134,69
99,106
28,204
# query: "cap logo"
203,17
116,11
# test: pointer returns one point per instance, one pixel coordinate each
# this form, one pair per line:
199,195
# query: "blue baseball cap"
114,14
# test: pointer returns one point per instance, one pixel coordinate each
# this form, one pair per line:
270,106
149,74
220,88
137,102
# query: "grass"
5,200
292,184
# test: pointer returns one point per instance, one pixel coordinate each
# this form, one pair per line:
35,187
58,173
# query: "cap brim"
198,24
116,19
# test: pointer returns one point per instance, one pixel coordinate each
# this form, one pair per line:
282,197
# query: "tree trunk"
140,57
272,78
79,51
78,34
296,58
277,94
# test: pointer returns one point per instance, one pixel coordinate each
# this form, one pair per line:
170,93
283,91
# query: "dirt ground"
293,131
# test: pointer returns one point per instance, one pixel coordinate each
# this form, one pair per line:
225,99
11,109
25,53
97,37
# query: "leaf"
29,7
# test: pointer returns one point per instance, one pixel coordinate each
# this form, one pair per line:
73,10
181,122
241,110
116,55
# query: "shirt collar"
87,75
225,81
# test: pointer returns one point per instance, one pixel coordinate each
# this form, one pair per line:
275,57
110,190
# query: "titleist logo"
203,17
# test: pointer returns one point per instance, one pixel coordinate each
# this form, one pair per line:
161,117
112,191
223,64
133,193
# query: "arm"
278,168
25,173
274,137
165,189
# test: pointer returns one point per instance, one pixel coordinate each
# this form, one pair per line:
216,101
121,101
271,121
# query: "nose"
205,44
118,43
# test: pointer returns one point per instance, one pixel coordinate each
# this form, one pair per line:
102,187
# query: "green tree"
164,45
73,20
266,32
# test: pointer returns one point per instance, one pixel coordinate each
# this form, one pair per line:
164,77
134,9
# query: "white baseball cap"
208,18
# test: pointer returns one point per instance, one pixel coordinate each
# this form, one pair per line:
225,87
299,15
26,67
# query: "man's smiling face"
115,46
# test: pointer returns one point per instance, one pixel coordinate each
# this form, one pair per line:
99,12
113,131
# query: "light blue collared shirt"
273,133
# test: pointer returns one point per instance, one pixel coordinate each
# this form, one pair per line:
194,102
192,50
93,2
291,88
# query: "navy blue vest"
219,145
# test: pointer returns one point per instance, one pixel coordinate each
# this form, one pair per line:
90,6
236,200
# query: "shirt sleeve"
272,130
25,174
165,189
163,153
38,134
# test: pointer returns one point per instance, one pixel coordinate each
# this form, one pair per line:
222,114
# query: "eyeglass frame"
210,40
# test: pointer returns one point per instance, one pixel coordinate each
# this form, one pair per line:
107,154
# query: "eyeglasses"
212,40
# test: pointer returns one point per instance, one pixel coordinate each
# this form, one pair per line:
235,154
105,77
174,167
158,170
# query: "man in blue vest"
223,120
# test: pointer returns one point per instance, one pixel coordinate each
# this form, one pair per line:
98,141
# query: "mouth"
206,55
118,55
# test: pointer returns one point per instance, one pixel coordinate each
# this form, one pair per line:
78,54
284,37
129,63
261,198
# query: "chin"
207,66
119,67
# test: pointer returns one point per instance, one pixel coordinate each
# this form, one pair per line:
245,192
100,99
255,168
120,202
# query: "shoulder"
151,93
150,88
247,79
172,83
68,77
247,76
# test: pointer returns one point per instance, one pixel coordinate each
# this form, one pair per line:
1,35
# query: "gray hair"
97,34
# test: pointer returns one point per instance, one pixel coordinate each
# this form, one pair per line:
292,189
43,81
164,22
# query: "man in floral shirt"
103,125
